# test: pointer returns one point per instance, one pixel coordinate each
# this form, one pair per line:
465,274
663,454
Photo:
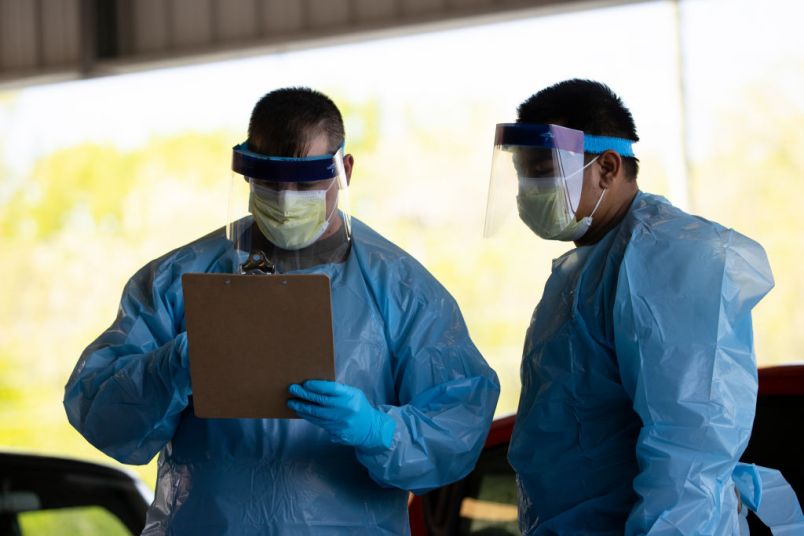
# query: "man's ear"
611,165
348,163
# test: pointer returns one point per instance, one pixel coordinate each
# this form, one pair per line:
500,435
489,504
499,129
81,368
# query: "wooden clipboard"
251,336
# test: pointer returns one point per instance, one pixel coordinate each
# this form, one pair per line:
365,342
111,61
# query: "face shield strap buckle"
257,263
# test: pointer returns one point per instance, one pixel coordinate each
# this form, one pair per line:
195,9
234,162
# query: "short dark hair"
583,105
284,122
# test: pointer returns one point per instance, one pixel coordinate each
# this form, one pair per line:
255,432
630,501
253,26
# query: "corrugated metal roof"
42,40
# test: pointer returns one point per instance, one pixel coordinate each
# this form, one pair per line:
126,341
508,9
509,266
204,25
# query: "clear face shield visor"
282,207
535,168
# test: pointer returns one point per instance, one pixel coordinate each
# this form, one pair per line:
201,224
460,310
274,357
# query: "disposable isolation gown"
639,381
399,337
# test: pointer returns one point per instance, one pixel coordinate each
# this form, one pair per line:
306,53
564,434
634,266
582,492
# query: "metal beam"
89,34
131,35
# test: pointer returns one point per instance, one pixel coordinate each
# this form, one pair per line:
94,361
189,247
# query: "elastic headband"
557,137
599,144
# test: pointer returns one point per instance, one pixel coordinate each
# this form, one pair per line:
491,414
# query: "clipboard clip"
257,264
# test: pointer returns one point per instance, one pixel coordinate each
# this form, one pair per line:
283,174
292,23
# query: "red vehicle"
484,503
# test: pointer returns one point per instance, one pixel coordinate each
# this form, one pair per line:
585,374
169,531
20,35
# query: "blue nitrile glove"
344,412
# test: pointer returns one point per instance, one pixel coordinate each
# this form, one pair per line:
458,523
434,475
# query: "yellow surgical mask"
290,219
543,205
544,212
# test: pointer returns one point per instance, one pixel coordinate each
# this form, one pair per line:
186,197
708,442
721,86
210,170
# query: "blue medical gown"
399,337
639,381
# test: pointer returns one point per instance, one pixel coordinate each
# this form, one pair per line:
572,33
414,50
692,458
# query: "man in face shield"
413,399
639,379
296,181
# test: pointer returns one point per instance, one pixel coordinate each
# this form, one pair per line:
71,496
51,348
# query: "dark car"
42,495
484,503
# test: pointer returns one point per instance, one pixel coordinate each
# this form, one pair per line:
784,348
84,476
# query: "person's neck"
615,210
332,247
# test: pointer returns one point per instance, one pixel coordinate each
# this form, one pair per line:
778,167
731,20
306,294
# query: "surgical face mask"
290,219
544,208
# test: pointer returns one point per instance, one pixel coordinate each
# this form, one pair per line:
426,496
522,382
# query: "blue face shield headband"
258,166
560,138
600,144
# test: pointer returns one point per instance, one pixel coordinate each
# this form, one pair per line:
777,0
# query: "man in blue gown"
639,379
412,403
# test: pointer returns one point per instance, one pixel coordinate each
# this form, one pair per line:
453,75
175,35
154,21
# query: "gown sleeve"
684,343
447,392
127,392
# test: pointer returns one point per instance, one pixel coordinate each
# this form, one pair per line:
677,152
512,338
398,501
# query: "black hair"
284,122
583,105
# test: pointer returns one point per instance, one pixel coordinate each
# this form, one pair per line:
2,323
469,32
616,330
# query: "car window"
482,504
85,520
489,507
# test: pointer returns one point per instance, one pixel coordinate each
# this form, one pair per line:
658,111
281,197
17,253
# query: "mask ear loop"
599,199
328,217
335,206
566,193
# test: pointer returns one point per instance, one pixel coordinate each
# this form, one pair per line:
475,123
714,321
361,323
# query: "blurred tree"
76,228
361,121
752,182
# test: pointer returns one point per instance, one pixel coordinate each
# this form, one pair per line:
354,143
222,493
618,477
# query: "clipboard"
250,336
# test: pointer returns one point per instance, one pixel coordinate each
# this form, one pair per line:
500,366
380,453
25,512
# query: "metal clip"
257,264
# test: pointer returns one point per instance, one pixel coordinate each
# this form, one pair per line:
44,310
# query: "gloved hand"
344,412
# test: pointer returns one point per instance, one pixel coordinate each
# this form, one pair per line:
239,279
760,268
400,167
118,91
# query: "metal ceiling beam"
113,36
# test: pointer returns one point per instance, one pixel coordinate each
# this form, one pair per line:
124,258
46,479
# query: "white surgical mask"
290,219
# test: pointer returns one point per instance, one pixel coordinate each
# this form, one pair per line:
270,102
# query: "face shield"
535,166
286,212
539,170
